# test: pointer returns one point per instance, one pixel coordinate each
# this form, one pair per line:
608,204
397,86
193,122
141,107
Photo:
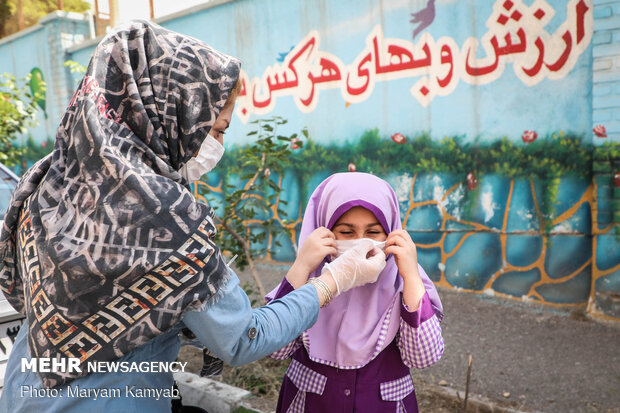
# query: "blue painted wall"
552,69
259,32
44,46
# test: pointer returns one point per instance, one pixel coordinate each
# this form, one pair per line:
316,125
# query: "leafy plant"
18,106
31,152
75,67
249,216
546,159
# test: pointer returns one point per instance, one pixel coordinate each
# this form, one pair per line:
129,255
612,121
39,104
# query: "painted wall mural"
515,220
37,86
516,34
423,18
495,121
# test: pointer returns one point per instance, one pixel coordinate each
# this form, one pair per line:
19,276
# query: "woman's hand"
319,244
402,247
357,266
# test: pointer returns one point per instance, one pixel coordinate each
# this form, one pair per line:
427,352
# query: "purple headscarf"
354,327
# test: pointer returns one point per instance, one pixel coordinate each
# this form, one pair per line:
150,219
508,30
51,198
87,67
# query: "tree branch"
246,249
250,183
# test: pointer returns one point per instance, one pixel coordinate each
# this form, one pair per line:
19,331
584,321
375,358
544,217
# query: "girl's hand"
400,244
319,244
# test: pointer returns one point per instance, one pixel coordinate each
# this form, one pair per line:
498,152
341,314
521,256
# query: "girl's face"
358,222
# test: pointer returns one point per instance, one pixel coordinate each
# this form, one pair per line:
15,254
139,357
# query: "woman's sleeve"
280,291
420,342
238,334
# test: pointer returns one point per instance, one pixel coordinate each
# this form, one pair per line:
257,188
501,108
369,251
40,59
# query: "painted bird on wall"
282,56
424,17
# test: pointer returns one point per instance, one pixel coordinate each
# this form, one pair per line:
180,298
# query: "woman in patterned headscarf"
108,254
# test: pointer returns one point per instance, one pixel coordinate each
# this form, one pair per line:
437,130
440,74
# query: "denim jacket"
230,329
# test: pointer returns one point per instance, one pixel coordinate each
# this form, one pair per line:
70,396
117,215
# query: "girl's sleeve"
420,342
287,351
238,334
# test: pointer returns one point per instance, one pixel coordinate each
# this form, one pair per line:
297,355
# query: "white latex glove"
352,269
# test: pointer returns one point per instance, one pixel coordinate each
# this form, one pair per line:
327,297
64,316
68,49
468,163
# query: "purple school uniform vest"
383,385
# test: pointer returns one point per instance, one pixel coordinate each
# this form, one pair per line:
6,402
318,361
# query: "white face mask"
209,155
345,244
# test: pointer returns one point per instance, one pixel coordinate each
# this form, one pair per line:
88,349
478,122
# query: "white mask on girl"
209,155
344,244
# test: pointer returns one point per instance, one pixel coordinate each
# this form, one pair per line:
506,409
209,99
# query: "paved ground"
549,361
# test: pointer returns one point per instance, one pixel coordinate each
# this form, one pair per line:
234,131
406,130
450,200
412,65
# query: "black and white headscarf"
103,246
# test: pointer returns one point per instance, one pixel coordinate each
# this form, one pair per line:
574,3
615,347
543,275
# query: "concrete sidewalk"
525,356
532,357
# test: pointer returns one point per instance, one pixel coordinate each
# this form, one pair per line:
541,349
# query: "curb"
217,397
212,395
475,403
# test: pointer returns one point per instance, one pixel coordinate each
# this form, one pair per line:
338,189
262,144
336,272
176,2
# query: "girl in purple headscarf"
358,354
